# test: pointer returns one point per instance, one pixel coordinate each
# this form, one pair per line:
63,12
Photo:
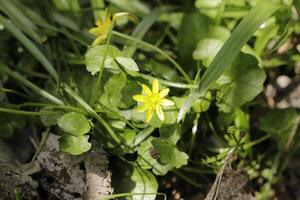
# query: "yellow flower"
153,101
102,29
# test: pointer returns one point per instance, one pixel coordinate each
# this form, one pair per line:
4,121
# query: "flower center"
154,99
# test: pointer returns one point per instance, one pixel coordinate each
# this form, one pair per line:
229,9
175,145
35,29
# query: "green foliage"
127,63
95,55
133,179
9,124
161,154
280,124
214,58
240,84
74,123
74,145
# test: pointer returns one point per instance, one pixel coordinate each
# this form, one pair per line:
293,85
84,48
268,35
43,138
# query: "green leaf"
74,145
170,132
127,63
9,123
94,56
169,154
133,6
202,104
133,179
142,28
194,27
206,50
240,84
74,123
242,33
199,105
280,124
112,95
49,120
145,183
146,160
208,3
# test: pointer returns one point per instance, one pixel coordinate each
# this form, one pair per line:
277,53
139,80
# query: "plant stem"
32,86
158,50
255,142
187,179
42,143
23,112
114,196
142,136
165,82
93,113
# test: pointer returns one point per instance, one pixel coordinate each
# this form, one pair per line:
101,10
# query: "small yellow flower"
102,29
153,101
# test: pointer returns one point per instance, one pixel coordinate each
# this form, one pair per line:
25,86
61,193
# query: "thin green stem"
65,108
187,179
114,196
158,50
256,142
7,90
42,144
97,83
23,112
143,135
164,82
29,45
93,113
30,85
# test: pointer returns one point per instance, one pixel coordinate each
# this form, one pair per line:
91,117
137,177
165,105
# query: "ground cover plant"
149,100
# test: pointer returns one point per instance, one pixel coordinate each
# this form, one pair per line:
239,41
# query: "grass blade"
239,37
29,45
30,85
144,26
21,20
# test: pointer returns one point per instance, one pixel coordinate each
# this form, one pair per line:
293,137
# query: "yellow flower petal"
160,112
167,102
146,90
99,40
155,86
95,31
99,23
140,98
142,108
164,92
149,115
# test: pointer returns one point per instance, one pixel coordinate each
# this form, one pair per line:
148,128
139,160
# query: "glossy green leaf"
206,50
112,95
133,6
241,34
141,29
149,158
133,179
170,132
194,27
240,83
127,63
280,124
74,145
74,123
49,120
208,3
94,56
169,154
